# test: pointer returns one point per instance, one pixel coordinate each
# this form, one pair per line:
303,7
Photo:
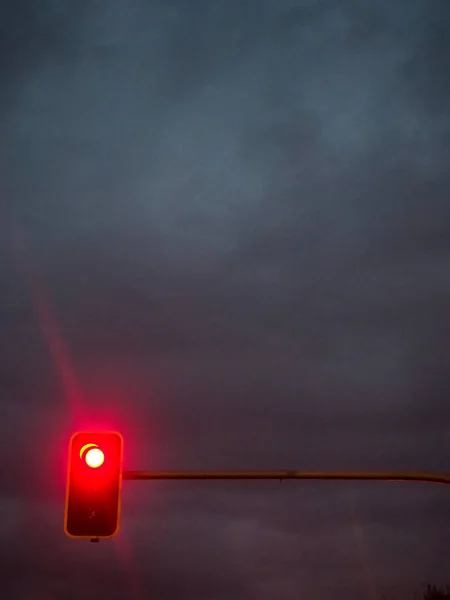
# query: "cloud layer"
225,230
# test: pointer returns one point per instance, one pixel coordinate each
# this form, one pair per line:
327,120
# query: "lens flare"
94,458
85,447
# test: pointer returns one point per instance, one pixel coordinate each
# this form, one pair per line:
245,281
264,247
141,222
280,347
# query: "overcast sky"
225,231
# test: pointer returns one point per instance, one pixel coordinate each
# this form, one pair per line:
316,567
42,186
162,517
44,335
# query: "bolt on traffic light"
94,482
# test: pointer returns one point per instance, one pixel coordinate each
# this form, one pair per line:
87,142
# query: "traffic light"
94,481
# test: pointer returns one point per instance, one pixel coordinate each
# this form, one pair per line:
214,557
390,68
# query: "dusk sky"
225,232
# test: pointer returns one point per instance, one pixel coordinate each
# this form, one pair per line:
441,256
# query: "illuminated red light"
94,458
92,455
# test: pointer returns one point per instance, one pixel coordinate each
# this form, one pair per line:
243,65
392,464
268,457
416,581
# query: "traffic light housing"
94,482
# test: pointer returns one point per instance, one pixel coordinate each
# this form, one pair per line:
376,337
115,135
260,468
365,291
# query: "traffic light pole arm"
282,475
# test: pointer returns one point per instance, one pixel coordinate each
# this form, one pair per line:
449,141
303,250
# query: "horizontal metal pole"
282,475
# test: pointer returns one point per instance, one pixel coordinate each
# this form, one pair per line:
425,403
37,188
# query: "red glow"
47,321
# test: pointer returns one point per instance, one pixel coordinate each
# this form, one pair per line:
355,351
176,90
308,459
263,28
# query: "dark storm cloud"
238,218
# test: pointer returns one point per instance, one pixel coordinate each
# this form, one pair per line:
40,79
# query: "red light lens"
94,458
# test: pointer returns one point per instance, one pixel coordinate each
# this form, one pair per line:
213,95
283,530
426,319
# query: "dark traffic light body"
94,482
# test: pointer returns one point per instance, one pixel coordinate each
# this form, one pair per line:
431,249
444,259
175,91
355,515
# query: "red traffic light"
94,481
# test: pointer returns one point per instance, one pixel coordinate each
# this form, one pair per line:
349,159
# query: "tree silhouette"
433,592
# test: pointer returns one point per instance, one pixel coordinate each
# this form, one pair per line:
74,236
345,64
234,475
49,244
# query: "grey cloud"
238,218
